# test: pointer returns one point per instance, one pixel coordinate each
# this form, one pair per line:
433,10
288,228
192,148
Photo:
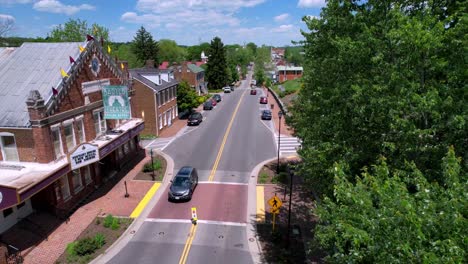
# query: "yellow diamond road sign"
275,202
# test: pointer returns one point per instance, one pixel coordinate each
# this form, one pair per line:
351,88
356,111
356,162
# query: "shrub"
85,246
115,224
108,221
100,240
147,167
262,178
71,249
156,165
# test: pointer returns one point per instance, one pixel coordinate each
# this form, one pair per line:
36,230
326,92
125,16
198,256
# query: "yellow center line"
220,152
188,245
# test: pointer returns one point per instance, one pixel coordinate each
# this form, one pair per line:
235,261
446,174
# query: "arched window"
8,147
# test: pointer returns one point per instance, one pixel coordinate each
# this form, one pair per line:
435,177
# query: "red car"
263,100
214,101
253,92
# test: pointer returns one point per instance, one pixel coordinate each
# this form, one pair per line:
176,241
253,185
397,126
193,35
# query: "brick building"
56,146
285,73
155,98
193,74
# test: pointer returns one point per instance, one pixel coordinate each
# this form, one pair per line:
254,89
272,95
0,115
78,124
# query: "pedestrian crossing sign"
275,202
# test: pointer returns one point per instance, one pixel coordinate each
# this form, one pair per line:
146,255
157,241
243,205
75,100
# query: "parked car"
195,119
253,91
208,105
217,97
263,100
227,89
183,184
213,101
266,115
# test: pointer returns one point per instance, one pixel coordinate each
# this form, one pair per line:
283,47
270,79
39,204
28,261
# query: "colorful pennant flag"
109,49
81,48
71,59
54,91
89,37
64,74
121,66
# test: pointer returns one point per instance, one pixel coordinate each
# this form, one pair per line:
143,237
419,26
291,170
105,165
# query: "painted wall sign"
93,86
83,155
116,103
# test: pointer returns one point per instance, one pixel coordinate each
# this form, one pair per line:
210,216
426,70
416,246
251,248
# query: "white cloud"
311,3
158,6
6,18
283,28
54,6
281,17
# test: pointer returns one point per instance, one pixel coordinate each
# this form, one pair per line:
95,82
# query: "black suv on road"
195,119
208,105
183,184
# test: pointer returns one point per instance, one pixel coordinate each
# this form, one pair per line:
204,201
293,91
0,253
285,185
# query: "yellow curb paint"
188,245
137,211
220,152
260,204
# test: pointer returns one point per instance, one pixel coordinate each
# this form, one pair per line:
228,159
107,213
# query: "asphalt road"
167,236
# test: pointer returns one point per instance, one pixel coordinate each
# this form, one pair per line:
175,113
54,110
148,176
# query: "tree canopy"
145,47
216,73
397,217
382,78
186,96
170,51
76,30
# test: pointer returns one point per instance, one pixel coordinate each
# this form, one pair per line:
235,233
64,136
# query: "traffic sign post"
275,204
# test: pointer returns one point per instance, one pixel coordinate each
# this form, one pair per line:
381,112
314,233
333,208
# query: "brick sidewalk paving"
285,130
113,202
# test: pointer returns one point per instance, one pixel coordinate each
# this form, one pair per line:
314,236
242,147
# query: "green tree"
259,76
252,47
395,217
216,73
123,51
382,78
170,51
144,47
186,97
76,30
293,55
194,52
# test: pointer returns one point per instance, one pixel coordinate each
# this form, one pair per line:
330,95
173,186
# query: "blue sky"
188,22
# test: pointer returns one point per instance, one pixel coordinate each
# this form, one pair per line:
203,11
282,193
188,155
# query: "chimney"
36,106
149,64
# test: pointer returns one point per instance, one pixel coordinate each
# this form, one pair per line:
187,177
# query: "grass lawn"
290,86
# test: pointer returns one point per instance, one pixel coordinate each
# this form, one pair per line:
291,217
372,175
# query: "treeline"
383,120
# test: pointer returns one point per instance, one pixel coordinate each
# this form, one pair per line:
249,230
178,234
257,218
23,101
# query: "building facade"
56,143
285,73
155,98
192,74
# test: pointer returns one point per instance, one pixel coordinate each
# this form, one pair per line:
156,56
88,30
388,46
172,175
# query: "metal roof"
194,68
33,66
153,78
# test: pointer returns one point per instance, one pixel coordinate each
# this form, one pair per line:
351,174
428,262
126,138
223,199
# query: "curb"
255,249
125,238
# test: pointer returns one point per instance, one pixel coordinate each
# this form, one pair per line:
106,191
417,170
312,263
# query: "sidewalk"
109,199
285,130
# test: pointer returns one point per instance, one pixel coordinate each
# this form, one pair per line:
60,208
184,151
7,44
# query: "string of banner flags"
82,49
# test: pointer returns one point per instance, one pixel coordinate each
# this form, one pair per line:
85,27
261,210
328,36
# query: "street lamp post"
280,114
291,173
152,166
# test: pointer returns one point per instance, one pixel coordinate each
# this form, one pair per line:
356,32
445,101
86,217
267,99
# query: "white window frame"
164,119
65,124
82,135
101,122
160,121
53,129
3,148
76,175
